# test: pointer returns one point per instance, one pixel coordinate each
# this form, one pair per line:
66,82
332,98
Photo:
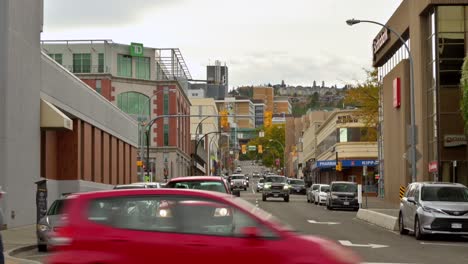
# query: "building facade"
218,80
58,136
266,94
282,105
143,82
436,34
343,137
259,112
205,130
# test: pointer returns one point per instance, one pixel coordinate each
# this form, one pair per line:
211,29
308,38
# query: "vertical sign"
396,93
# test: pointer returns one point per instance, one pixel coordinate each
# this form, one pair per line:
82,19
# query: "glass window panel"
98,86
124,65
450,19
166,103
86,62
166,135
133,103
77,63
101,62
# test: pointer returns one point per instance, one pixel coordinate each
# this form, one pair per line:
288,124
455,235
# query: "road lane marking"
445,244
323,223
348,243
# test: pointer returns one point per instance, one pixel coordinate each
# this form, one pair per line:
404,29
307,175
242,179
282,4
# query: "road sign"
348,243
433,166
139,163
323,223
252,148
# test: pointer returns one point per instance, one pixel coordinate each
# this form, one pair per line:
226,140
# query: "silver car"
47,224
260,184
434,208
311,193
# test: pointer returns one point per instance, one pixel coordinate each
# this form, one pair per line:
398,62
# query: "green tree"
464,97
365,96
272,149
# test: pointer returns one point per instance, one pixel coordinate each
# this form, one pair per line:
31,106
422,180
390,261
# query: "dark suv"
343,195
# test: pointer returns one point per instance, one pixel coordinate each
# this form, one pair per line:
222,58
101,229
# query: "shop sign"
380,40
326,163
454,140
433,166
396,93
346,119
136,49
346,163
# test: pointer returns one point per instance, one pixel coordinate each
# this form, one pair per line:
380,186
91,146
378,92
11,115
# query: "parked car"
47,224
207,183
434,208
297,186
238,169
260,184
321,194
277,187
175,225
138,185
238,181
343,195
311,193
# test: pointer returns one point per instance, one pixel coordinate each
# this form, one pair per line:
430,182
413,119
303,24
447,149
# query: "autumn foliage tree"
365,97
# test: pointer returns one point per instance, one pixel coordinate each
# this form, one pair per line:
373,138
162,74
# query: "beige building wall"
266,94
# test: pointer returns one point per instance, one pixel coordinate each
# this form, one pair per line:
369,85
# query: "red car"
181,226
206,183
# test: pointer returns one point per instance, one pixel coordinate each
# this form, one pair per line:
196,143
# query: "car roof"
441,184
345,182
160,191
197,178
238,174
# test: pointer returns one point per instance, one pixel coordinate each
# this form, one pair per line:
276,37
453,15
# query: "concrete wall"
20,64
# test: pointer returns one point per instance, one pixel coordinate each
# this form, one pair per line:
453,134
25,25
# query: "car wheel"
286,199
264,198
417,230
401,226
42,248
245,189
308,200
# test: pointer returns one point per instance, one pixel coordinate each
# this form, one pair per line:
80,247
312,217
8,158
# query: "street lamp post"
284,155
352,22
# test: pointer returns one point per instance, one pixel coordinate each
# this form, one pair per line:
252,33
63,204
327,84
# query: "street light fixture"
352,22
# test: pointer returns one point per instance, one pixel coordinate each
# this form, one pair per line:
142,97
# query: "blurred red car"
180,226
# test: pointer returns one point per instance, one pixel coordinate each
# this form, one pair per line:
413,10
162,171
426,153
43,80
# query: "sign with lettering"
454,140
136,49
346,119
433,166
346,163
380,40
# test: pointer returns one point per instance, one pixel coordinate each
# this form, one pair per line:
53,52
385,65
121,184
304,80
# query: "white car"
238,169
311,193
321,194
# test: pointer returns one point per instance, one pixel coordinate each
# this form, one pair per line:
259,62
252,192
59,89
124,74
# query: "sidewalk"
379,212
14,238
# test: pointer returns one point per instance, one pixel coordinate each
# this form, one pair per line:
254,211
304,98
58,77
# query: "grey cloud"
94,13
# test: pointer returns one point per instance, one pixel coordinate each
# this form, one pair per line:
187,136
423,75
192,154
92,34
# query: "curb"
386,221
9,253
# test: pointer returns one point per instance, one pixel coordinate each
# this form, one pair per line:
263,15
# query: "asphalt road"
374,244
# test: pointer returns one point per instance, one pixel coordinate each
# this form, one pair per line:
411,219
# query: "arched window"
134,104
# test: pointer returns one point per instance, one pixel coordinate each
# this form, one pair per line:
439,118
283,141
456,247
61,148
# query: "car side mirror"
236,193
250,232
411,200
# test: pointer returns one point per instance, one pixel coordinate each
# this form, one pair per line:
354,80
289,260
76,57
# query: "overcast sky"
261,41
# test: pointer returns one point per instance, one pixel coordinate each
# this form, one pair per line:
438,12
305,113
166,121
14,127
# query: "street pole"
412,99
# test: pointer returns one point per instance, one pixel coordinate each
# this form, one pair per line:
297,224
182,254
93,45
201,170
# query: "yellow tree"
365,97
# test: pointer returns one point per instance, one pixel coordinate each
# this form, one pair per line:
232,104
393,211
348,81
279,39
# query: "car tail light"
63,233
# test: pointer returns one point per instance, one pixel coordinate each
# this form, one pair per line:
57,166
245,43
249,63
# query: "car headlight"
334,196
432,210
245,183
232,183
267,186
286,187
43,228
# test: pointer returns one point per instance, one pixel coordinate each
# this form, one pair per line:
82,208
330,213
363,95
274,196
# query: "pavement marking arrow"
348,243
323,223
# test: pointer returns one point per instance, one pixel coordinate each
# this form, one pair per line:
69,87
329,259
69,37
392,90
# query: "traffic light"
267,118
224,118
244,149
339,166
260,149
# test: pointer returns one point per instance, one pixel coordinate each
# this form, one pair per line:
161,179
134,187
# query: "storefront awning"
326,164
53,118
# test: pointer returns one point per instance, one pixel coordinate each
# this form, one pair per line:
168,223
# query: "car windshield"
261,181
275,179
56,208
296,182
238,177
344,187
444,194
325,188
315,187
216,186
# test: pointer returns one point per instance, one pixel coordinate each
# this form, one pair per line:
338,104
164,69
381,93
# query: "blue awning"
324,164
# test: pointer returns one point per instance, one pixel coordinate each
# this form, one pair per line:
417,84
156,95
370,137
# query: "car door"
405,210
413,207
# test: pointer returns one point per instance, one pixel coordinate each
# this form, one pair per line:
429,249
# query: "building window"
166,104
82,62
57,57
124,65
99,86
142,66
134,104
101,62
166,135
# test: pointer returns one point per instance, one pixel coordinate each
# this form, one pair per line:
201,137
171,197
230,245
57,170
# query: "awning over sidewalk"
53,118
